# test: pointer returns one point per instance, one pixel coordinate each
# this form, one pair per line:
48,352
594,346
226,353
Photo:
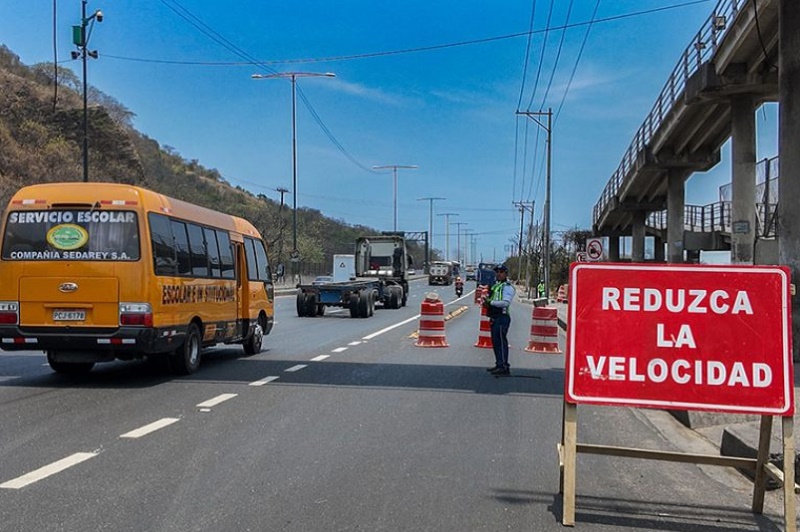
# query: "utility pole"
80,38
393,168
522,206
447,216
430,228
548,127
281,191
458,239
292,76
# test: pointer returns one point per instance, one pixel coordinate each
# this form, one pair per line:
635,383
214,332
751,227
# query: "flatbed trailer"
359,297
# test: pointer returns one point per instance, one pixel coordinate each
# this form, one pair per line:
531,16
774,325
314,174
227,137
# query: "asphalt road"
340,424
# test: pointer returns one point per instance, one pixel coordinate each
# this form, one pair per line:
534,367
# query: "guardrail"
702,47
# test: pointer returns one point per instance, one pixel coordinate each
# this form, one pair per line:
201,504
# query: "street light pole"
447,216
546,239
430,227
394,168
81,40
293,77
458,239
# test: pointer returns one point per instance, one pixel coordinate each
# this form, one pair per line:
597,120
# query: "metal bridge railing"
717,216
702,47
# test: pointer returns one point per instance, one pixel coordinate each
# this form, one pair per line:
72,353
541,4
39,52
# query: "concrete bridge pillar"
676,203
658,249
613,249
743,204
789,140
637,245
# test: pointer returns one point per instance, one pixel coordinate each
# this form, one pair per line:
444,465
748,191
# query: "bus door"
242,290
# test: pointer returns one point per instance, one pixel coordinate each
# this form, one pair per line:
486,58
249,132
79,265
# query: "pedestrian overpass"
723,75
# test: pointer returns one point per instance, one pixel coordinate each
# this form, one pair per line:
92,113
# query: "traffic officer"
497,305
540,288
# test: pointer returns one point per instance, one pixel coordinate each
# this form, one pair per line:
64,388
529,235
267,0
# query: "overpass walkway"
730,56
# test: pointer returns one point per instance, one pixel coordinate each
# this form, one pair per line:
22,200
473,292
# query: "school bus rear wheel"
186,358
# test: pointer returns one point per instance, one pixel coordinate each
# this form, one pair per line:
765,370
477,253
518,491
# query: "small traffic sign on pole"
594,249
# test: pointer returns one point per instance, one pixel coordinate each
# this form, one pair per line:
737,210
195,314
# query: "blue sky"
448,110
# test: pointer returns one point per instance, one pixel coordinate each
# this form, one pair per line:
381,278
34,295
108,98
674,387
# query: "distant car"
471,274
412,271
322,279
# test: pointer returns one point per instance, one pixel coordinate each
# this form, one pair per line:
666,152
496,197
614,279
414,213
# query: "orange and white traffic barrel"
544,331
431,322
561,297
484,331
480,291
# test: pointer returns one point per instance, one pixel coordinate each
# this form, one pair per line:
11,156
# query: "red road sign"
714,338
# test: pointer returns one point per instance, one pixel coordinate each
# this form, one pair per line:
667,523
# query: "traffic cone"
544,331
485,331
431,322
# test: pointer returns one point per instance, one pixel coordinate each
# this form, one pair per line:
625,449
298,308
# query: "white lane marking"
389,328
152,427
297,367
262,382
217,400
320,358
46,471
357,342
339,350
335,311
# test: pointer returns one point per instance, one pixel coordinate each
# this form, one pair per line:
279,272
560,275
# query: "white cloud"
378,95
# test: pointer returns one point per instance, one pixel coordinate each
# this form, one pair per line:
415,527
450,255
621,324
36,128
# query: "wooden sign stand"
569,448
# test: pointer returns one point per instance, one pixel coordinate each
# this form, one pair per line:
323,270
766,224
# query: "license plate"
69,315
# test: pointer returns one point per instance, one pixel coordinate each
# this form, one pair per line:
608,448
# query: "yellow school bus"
92,272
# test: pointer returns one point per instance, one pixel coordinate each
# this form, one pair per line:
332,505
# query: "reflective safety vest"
497,295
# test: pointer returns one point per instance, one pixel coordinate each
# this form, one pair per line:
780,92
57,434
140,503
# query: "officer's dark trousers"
500,340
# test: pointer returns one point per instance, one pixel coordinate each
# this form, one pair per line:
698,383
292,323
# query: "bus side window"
250,253
263,263
164,261
226,255
213,252
197,246
182,247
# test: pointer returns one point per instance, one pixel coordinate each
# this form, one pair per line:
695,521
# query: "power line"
211,33
369,55
541,56
578,60
330,135
527,54
558,56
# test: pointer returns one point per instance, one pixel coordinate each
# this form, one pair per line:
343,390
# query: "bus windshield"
71,235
